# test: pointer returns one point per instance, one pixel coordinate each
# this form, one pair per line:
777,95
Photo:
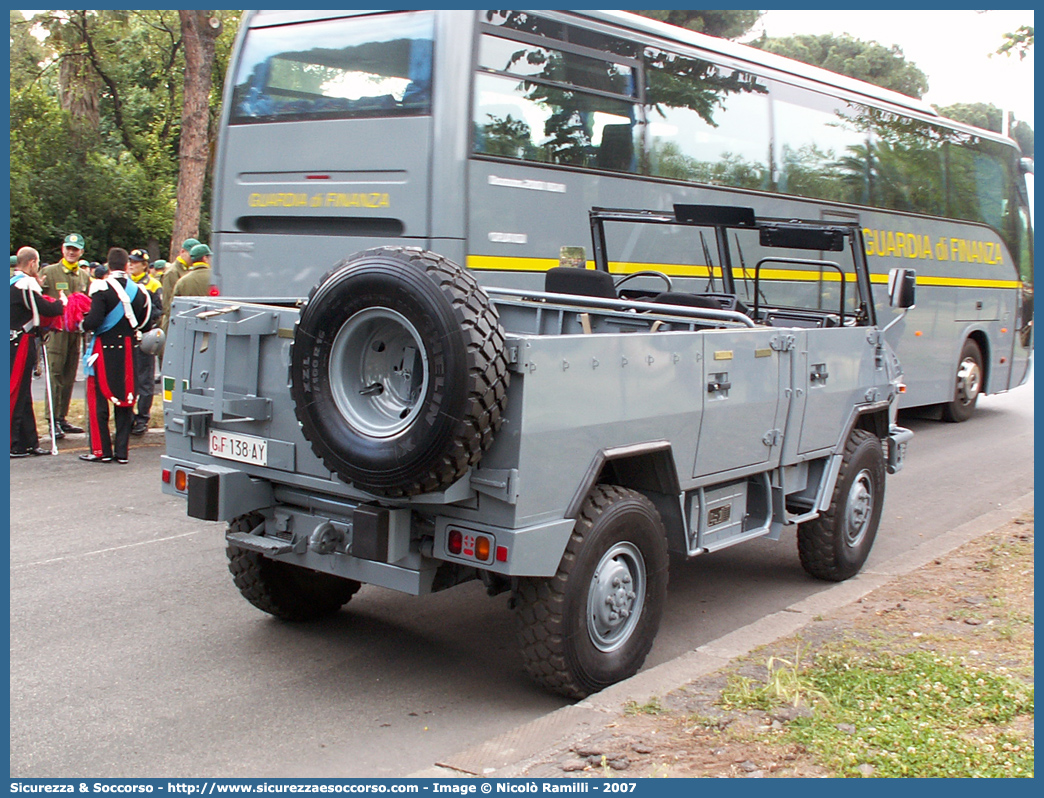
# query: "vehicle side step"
259,544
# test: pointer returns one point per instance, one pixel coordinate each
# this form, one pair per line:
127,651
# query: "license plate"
241,448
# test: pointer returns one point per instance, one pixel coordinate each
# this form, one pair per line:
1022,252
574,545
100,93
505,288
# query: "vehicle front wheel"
594,622
286,591
835,545
969,384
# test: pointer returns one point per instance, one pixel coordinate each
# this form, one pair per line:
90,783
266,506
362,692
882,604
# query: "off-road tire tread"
265,583
487,366
816,538
541,602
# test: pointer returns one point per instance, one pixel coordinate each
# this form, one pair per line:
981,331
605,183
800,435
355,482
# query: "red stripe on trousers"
92,410
18,369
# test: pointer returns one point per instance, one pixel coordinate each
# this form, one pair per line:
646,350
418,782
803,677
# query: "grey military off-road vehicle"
409,428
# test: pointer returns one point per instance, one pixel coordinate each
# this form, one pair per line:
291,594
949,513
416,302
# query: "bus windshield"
335,69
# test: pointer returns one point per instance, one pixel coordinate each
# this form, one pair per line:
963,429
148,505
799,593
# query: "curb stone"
508,755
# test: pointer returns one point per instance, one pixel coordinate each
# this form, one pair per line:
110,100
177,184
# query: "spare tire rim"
379,372
616,596
969,377
859,508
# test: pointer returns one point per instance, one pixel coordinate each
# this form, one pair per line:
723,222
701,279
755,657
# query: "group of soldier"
94,315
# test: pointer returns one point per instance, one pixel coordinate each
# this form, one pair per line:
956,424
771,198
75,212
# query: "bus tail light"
180,480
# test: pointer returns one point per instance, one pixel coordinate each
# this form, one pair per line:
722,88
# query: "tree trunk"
199,35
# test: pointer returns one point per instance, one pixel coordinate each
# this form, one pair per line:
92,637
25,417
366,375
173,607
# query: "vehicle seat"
581,282
688,300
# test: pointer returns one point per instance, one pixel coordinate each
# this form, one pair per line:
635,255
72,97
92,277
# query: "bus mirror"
1026,166
901,286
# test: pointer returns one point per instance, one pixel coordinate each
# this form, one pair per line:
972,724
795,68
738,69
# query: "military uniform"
28,305
196,281
109,363
63,348
176,269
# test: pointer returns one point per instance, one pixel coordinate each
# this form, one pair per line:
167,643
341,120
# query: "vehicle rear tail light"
501,553
482,548
180,480
455,542
214,291
165,476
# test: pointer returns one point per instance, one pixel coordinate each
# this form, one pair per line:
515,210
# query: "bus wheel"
969,384
399,371
286,591
593,623
835,545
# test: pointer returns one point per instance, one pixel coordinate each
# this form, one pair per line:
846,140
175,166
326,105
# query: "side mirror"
901,287
1026,166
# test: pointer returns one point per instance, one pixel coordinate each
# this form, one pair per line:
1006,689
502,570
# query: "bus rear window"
336,69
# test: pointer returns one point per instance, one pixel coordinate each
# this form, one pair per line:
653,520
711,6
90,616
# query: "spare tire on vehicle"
399,371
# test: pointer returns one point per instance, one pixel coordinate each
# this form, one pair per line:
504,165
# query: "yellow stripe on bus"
519,264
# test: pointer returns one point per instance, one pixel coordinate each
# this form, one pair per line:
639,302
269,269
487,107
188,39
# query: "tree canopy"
990,117
96,104
1020,41
730,24
886,67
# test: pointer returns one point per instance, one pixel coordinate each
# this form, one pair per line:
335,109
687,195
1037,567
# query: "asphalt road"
132,654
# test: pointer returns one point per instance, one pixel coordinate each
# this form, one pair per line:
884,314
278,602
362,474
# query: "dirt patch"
975,605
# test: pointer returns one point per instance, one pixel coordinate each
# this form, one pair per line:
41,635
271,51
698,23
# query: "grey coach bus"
486,136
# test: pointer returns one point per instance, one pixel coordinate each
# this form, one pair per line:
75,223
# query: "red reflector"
501,553
317,177
481,548
165,476
214,291
455,542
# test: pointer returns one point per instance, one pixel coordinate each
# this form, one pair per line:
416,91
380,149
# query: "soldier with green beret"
177,269
197,281
66,277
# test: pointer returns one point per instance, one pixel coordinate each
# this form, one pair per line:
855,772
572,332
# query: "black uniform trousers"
23,421
144,383
112,381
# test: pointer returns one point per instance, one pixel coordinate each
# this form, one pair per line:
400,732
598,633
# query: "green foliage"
989,117
869,61
786,683
730,24
1018,42
918,714
26,52
95,121
650,707
984,115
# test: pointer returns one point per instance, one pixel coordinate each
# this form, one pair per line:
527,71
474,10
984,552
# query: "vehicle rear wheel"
594,622
399,371
835,545
286,591
969,384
